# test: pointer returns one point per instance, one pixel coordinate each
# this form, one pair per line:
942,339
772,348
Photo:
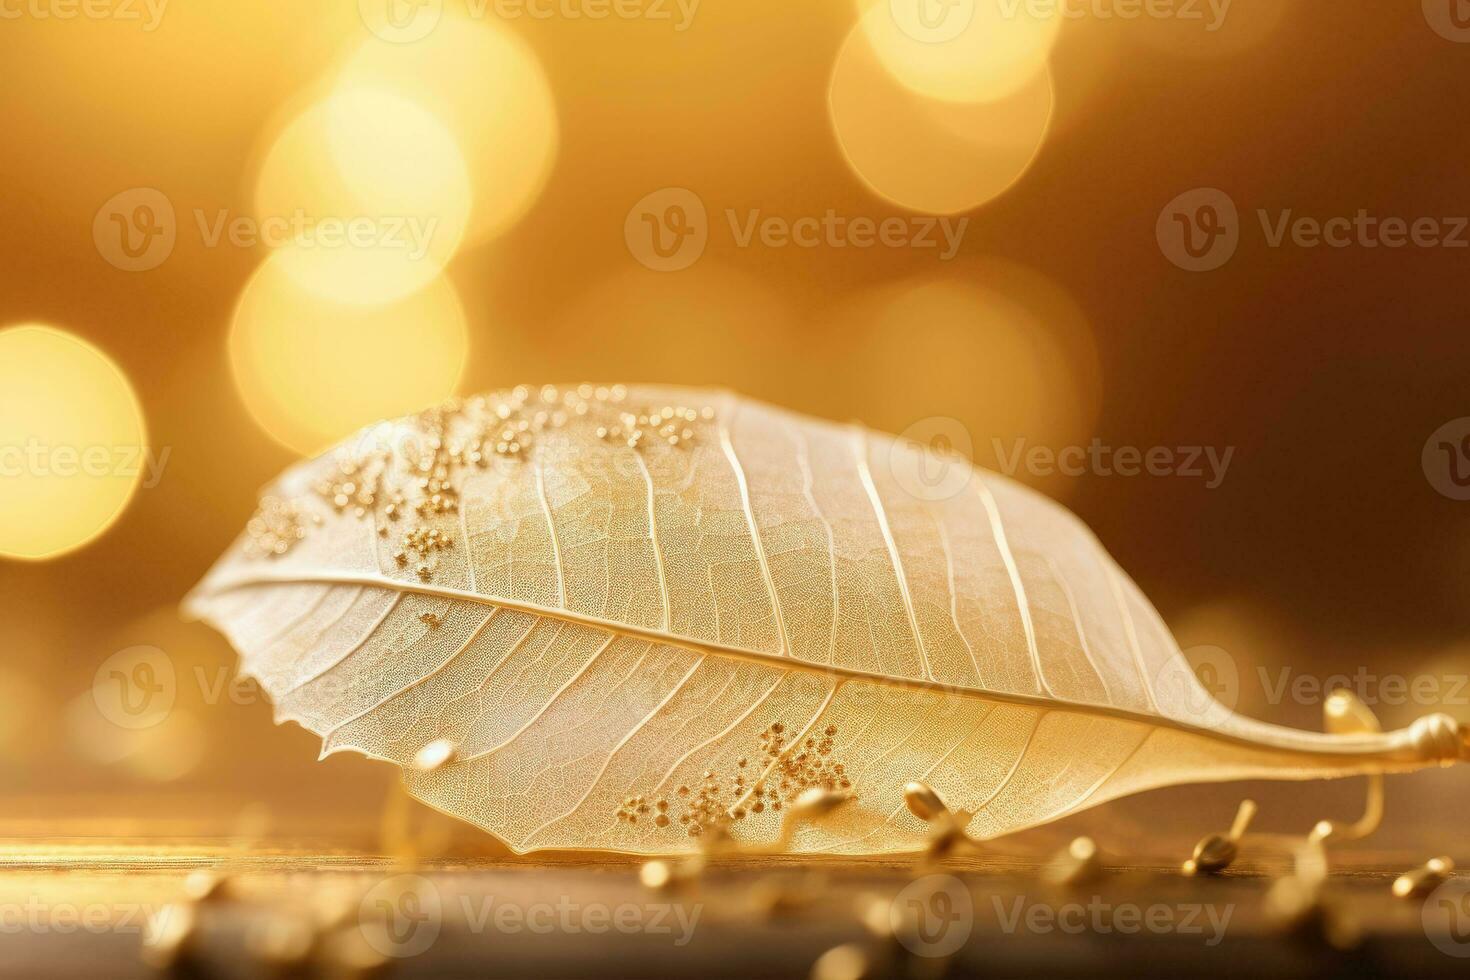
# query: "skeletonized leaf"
617,619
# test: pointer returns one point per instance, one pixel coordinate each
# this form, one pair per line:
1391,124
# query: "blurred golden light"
1222,31
999,349
23,704
488,87
928,155
73,444
960,50
162,752
1244,643
709,324
364,196
311,371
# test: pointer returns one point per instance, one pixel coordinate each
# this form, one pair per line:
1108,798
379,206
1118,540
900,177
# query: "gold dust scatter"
718,800
424,471
274,530
672,425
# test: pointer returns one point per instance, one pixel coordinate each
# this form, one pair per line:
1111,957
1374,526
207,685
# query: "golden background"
532,141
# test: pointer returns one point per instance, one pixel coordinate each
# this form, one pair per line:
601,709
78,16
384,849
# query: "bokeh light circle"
997,347
928,155
365,196
311,371
73,442
489,89
960,50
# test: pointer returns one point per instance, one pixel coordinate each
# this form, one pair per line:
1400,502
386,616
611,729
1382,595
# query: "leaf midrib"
1340,746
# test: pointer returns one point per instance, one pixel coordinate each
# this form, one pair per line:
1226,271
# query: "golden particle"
846,962
205,886
923,801
1423,880
435,755
167,937
656,875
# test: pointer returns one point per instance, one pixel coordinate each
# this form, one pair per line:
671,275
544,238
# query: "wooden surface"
740,919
